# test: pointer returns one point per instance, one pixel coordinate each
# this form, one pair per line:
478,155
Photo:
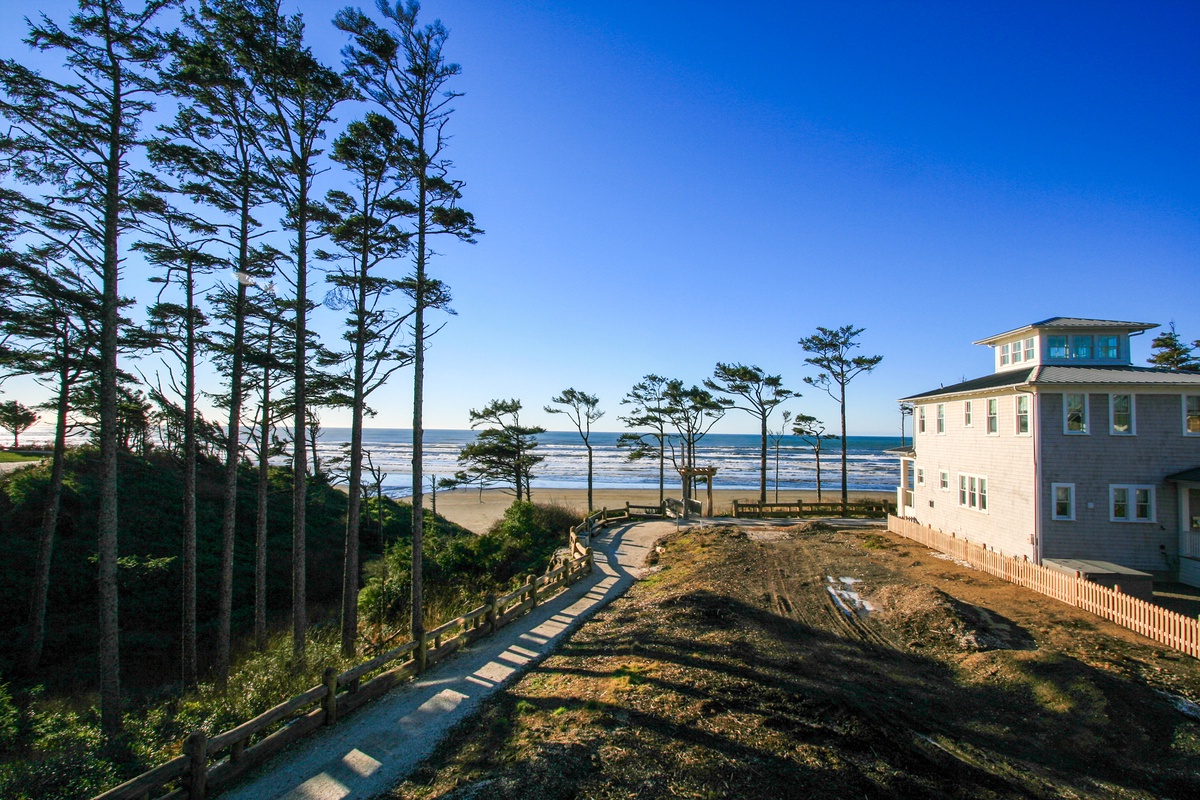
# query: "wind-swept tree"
363,224
776,440
402,69
830,350
212,148
649,411
295,95
73,139
1167,350
812,431
581,409
16,419
504,452
692,412
756,393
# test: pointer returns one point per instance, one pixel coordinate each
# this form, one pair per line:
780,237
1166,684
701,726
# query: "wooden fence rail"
233,752
1152,621
869,509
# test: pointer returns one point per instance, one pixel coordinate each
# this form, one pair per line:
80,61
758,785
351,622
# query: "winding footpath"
380,744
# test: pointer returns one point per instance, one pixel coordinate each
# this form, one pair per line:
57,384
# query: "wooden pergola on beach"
686,474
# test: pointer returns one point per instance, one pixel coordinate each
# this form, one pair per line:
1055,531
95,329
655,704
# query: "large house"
1065,452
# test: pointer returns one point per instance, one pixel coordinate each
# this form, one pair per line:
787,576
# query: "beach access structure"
1152,621
211,762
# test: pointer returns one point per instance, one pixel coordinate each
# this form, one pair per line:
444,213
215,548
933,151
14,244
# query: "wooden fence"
1154,622
869,509
210,762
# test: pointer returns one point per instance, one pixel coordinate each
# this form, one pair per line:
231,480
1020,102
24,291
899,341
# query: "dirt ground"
808,662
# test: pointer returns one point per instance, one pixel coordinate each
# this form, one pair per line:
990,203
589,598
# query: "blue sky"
666,185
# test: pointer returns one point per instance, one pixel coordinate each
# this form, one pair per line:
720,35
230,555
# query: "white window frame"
1054,487
1131,490
940,416
1132,414
920,419
1017,415
1066,415
1016,352
944,480
969,414
993,405
920,476
1029,349
1003,355
1184,403
973,492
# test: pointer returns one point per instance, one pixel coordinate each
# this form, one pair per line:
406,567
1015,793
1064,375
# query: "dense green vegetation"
51,742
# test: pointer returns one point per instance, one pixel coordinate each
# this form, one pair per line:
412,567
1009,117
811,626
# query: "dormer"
1065,340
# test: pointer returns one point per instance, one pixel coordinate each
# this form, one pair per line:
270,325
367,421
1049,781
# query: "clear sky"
665,185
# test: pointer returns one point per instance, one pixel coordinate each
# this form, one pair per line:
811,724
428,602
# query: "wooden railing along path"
1154,622
869,509
210,762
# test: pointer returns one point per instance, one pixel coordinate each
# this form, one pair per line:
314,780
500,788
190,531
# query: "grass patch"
13,458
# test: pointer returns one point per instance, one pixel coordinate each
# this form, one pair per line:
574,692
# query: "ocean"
565,465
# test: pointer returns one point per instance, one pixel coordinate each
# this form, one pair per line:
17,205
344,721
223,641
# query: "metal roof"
1012,377
1054,375
1073,323
1187,476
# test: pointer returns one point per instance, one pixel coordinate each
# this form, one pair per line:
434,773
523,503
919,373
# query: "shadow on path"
382,742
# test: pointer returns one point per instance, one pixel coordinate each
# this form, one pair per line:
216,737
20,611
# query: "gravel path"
381,743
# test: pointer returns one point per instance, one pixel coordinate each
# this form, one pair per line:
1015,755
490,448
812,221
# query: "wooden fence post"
533,590
329,701
422,653
591,560
491,611
195,747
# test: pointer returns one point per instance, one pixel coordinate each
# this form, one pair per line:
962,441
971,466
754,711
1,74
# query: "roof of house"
1073,323
1054,375
1187,476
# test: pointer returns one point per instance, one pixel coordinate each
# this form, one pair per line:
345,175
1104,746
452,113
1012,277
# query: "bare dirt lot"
817,663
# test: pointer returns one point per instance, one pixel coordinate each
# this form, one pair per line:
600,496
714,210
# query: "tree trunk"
260,524
845,494
110,652
190,669
350,577
662,471
41,574
762,464
418,433
300,428
817,452
589,449
232,448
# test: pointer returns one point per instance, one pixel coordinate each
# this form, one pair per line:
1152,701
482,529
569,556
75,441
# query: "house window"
1056,346
993,417
1022,413
1081,347
920,419
966,413
1131,503
920,476
941,417
1191,414
973,492
944,480
1075,413
1029,349
1108,348
1016,353
1064,501
1121,409
1003,354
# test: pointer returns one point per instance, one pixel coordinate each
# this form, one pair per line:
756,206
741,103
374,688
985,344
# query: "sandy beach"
475,512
